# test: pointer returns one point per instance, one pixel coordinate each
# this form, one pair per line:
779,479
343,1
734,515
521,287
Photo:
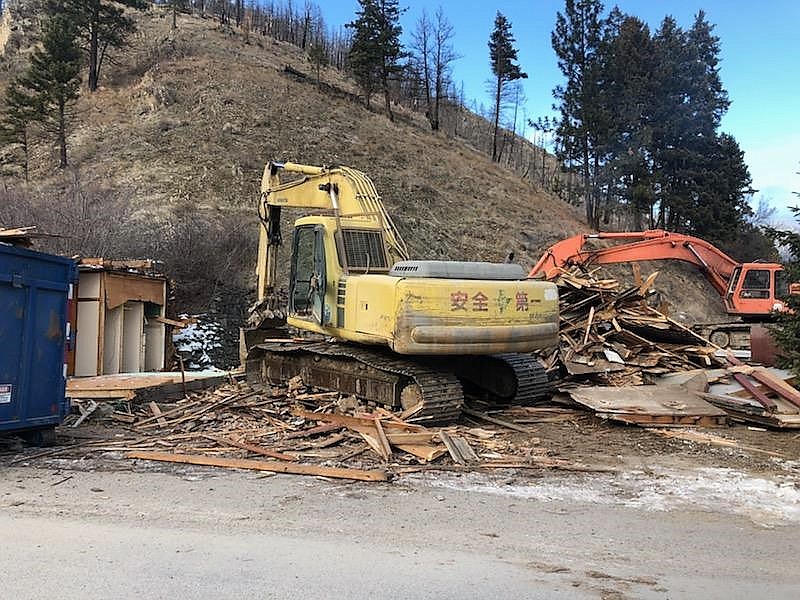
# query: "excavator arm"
341,192
653,244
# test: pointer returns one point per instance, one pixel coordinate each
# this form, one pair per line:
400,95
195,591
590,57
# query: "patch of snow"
766,502
196,340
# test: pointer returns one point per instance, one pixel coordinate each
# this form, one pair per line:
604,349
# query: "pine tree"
376,52
622,128
576,39
502,55
786,329
52,79
102,24
21,110
318,57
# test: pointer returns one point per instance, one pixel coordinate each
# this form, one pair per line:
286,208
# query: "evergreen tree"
576,39
786,330
503,55
21,110
102,24
318,57
622,121
52,79
376,51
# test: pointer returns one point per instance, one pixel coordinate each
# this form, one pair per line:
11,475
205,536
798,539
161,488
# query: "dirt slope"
196,115
187,119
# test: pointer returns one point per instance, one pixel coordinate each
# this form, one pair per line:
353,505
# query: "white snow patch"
197,339
766,502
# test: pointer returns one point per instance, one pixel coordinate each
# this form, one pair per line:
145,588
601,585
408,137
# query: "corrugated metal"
34,288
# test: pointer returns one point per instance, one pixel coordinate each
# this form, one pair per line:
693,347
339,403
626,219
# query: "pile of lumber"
303,431
18,236
612,337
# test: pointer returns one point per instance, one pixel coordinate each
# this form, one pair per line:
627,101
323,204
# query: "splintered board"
650,406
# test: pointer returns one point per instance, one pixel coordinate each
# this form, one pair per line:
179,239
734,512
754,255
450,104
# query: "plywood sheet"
650,405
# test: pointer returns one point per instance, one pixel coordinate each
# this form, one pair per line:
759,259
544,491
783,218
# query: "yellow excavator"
413,335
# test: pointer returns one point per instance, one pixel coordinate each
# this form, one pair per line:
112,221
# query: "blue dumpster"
34,289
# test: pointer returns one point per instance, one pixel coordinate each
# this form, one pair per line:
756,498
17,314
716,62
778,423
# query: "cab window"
756,284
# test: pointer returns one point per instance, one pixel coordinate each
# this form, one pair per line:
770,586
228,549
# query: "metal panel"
33,315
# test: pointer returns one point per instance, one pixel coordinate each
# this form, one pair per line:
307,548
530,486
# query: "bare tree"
443,57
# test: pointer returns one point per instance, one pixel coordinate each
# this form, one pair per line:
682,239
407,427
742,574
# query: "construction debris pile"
615,338
314,433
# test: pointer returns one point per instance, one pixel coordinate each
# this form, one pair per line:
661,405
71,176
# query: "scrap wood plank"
85,412
386,448
749,411
424,452
495,421
320,429
411,437
101,394
649,405
373,443
459,449
261,465
154,408
354,422
778,386
251,448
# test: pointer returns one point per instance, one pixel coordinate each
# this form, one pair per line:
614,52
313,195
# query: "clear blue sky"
760,68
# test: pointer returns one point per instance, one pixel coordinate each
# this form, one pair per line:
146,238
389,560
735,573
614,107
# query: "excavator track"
532,381
370,374
499,380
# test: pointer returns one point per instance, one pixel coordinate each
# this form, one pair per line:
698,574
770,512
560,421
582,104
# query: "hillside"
185,120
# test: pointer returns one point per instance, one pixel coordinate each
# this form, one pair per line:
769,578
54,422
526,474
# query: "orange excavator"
751,291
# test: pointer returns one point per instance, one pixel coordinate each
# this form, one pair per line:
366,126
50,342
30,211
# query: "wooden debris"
85,412
459,449
157,414
611,337
650,405
257,465
495,421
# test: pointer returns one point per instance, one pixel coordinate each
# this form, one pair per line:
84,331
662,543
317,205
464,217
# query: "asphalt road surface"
202,533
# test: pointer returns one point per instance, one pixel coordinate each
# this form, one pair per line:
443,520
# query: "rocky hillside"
185,120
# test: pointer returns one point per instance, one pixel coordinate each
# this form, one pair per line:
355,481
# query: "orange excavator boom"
743,292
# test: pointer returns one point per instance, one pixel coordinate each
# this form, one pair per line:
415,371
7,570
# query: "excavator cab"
308,276
756,289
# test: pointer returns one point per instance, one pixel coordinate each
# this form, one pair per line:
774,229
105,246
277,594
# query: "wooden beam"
262,465
495,421
251,448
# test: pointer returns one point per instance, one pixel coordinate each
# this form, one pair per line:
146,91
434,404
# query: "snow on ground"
766,502
197,340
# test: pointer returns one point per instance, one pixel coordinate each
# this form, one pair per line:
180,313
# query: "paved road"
198,533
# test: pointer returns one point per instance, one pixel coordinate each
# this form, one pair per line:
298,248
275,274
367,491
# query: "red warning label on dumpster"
5,393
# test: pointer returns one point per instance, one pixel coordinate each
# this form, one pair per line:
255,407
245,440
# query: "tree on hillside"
622,122
318,57
786,330
700,174
102,24
434,55
178,6
376,51
20,111
52,80
576,39
503,55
